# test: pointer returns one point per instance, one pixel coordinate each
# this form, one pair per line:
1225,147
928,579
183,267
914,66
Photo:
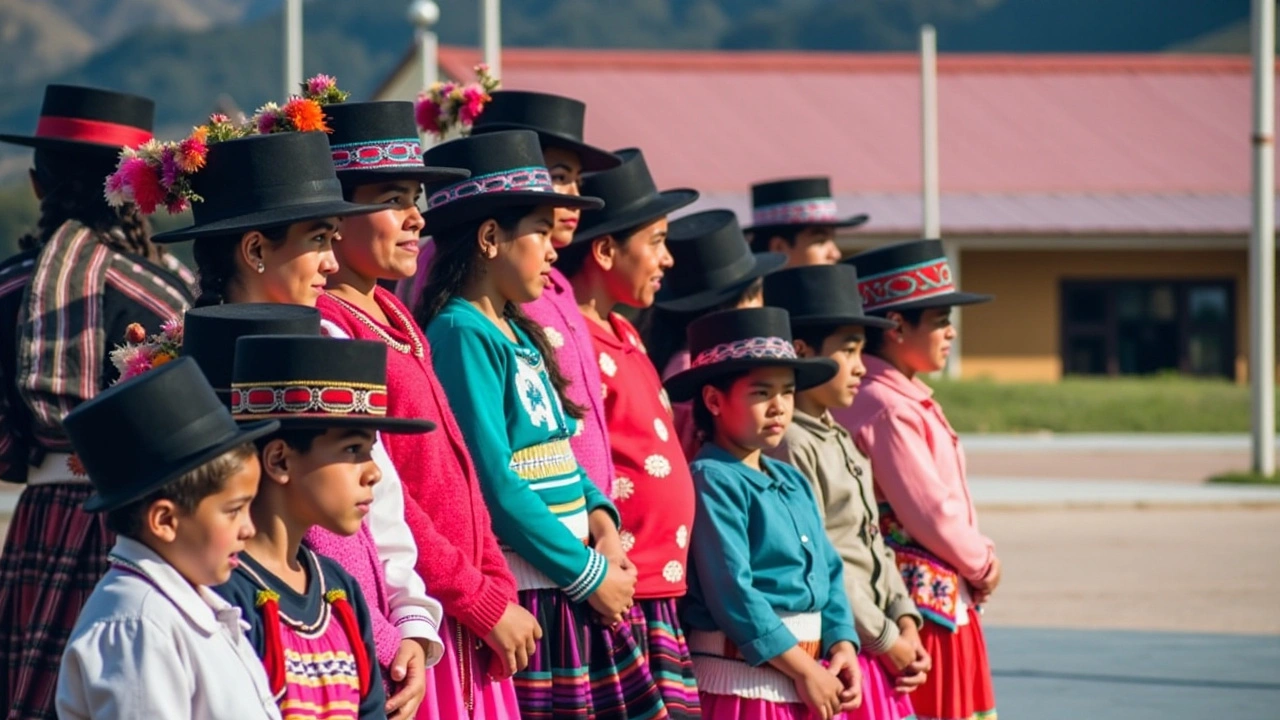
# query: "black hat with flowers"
136,437
306,381
84,118
734,341
558,121
378,141
507,170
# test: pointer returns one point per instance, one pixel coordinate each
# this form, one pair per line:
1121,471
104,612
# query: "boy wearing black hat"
308,619
828,321
175,476
798,217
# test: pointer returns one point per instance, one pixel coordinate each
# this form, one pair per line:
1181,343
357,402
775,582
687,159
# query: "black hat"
377,141
507,170
265,180
84,118
557,120
630,198
908,276
209,334
306,381
732,341
819,295
713,262
798,202
135,437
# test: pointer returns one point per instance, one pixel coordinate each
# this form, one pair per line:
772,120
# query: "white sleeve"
415,613
124,669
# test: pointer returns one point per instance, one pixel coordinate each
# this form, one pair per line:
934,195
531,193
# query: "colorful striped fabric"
655,625
583,669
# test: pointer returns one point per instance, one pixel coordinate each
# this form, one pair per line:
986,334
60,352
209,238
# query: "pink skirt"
732,707
879,700
448,697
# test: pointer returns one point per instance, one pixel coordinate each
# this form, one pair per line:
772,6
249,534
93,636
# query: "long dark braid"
455,262
72,183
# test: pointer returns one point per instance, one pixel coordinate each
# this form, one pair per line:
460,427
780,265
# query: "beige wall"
1018,336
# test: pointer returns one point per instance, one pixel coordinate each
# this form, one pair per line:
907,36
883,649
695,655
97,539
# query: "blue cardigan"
759,548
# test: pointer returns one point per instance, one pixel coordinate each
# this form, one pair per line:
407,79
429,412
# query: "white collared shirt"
148,644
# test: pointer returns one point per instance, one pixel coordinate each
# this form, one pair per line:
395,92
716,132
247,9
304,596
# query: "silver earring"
261,268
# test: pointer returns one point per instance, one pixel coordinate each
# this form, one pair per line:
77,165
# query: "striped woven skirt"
959,685
655,624
582,668
54,555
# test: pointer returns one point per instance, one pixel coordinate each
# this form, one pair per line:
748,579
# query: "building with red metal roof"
1103,199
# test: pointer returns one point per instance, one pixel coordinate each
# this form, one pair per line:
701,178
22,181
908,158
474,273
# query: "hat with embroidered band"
908,276
135,437
797,202
507,171
83,118
820,295
713,263
263,181
557,120
732,341
377,141
306,381
209,334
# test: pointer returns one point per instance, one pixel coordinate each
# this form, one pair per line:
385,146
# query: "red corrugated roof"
1149,131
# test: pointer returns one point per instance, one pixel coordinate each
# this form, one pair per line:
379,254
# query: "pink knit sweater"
557,312
458,555
358,556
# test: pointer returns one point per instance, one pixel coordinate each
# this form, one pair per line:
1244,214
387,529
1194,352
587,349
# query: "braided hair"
72,182
456,261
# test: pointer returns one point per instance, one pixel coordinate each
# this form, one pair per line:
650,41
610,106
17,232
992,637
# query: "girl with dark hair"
559,530
714,270
87,273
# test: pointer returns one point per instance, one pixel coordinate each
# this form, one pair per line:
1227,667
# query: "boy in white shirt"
175,475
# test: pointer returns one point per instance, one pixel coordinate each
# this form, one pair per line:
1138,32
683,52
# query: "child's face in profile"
755,411
382,244
636,267
332,483
208,539
844,346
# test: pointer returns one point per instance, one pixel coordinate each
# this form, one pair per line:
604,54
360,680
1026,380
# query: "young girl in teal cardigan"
558,531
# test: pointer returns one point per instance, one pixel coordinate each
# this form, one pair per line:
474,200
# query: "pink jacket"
682,412
557,311
918,466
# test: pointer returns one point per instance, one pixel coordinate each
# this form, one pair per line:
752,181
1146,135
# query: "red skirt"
53,557
959,686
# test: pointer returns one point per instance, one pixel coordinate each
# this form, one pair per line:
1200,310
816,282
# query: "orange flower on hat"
305,115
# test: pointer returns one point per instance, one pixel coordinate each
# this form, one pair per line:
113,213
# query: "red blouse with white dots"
653,489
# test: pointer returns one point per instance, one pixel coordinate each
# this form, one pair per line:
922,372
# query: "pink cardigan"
557,311
918,466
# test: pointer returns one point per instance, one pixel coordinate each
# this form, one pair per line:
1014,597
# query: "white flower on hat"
657,466
673,571
554,338
607,365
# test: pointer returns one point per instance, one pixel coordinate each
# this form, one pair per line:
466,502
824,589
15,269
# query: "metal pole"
929,128
491,35
1262,242
292,47
429,46
930,200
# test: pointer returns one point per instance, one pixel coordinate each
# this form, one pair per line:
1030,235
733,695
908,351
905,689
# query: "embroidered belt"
56,469
539,462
